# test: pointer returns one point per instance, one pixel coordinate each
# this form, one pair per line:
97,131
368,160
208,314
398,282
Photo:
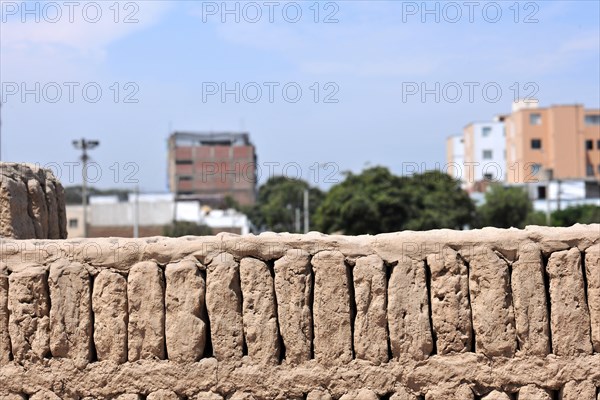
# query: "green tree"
584,214
186,228
276,204
504,207
536,218
377,201
367,203
230,202
437,201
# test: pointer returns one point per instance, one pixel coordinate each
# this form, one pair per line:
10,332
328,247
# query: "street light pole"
84,146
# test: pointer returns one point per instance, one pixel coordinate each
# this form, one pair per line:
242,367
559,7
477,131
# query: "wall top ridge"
122,253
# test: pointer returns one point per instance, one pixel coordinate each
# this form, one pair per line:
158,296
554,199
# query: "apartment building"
478,155
211,166
484,152
561,142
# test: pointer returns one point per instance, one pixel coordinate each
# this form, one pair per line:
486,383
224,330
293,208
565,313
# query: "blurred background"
174,118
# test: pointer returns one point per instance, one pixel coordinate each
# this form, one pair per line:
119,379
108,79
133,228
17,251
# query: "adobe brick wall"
483,314
144,231
32,203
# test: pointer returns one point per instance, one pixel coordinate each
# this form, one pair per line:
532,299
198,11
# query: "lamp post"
84,146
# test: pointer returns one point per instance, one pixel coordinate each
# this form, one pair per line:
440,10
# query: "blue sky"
368,57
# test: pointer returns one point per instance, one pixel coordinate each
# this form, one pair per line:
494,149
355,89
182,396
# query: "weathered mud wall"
32,203
484,314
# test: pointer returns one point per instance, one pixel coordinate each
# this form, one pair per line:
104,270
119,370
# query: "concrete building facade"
75,220
484,153
531,145
212,166
455,155
561,141
109,216
557,195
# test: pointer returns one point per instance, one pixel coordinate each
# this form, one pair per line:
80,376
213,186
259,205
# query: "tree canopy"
437,201
276,204
376,201
504,207
370,202
185,228
584,214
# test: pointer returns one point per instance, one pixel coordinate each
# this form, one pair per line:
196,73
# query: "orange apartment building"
208,167
560,141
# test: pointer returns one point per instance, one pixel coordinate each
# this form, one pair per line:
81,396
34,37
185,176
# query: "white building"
545,195
455,155
478,155
568,193
484,153
152,210
112,216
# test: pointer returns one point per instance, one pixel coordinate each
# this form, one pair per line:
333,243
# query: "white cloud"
32,48
81,34
359,49
558,57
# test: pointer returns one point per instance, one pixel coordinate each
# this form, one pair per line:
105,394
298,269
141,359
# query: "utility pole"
84,146
306,219
136,213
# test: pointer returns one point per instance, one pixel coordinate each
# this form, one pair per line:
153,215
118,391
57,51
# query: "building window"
73,222
592,190
535,168
185,178
486,131
488,177
589,170
598,145
589,145
541,192
183,162
535,119
592,119
598,168
536,144
487,154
